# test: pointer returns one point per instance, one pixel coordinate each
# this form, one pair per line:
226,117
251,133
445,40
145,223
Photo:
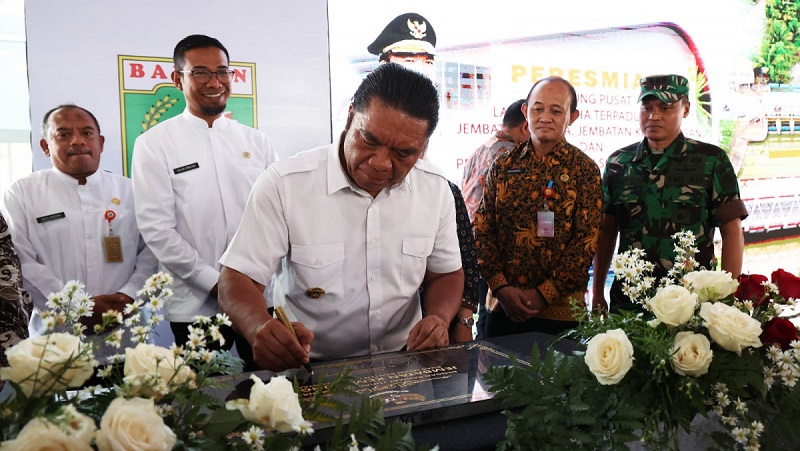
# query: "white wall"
73,47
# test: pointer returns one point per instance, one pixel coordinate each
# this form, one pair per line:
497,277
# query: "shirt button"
316,262
372,278
372,241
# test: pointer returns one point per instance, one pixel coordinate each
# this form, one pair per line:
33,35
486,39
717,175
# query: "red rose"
751,288
788,284
778,331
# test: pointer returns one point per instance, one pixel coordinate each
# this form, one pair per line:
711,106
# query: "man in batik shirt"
536,229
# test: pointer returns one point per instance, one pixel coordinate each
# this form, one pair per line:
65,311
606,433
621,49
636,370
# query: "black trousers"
619,301
498,324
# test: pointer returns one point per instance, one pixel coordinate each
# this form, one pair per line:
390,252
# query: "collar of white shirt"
198,122
70,180
338,179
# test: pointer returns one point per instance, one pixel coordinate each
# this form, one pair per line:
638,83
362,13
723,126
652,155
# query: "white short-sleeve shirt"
368,256
58,227
191,183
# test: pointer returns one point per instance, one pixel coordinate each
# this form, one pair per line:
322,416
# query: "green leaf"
222,422
396,438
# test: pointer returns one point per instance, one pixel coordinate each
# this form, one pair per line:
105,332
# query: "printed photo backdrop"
487,57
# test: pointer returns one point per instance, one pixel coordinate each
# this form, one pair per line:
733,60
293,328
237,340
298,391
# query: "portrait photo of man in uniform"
409,40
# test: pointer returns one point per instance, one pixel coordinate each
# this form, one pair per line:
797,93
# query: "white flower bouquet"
153,398
707,346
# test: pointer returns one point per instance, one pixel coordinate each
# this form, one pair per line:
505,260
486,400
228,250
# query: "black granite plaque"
416,386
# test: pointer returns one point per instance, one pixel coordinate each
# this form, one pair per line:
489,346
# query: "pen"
285,321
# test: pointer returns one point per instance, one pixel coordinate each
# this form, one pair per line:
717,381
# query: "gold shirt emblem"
315,292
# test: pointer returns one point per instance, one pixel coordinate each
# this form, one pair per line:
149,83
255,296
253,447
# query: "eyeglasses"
204,75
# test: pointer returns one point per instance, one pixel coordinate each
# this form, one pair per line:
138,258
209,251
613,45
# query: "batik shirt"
477,167
691,186
509,250
15,303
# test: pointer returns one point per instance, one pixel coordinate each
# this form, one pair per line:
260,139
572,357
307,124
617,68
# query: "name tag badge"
112,247
52,217
188,167
545,219
545,224
112,244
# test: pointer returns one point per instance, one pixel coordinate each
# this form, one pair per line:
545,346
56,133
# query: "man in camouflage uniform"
662,185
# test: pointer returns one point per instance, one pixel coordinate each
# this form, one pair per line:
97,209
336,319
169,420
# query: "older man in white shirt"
73,222
361,223
191,176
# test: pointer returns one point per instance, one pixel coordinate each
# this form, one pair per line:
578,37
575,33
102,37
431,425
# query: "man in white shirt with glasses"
191,178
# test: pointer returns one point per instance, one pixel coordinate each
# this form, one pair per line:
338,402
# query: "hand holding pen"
285,321
276,349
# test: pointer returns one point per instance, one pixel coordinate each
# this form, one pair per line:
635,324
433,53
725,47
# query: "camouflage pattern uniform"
691,186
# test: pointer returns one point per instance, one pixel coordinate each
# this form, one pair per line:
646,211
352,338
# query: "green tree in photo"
780,47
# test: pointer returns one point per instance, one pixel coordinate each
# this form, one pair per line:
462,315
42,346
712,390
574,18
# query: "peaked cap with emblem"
406,33
666,88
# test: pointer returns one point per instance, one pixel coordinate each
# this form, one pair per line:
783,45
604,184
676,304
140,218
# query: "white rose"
691,354
133,425
729,327
710,285
151,365
39,364
274,404
70,431
609,356
673,305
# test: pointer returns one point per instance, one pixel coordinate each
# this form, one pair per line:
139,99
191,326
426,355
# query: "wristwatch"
468,321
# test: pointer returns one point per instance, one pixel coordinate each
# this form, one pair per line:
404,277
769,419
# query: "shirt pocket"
686,211
318,272
56,229
187,176
415,252
248,170
629,208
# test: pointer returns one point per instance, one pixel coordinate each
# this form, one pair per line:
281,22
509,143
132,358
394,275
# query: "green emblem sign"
148,97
